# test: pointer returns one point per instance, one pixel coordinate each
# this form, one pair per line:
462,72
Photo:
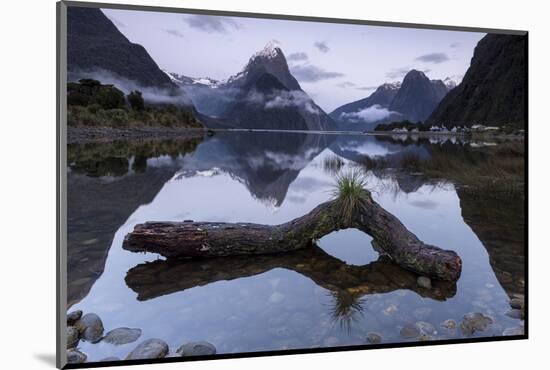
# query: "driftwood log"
219,239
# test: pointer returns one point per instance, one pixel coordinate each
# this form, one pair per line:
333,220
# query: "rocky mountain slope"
493,89
418,96
263,95
94,43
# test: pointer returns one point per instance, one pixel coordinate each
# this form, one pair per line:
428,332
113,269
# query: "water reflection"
154,279
443,190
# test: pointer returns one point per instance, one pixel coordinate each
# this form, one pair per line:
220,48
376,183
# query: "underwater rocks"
73,317
517,303
90,327
409,331
107,359
73,337
515,314
449,324
475,321
74,356
374,338
122,336
196,349
149,349
421,329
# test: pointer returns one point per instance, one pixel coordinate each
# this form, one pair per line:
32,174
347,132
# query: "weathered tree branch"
218,239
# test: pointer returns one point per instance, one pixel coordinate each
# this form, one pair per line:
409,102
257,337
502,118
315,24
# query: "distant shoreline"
95,134
100,134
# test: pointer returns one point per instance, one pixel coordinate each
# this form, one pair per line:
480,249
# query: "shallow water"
264,303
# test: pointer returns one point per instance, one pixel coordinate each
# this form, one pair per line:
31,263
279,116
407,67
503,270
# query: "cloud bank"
173,32
373,113
322,46
284,99
152,95
212,23
297,56
311,73
433,58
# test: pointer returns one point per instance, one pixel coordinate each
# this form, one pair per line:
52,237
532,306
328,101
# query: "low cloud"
345,84
173,32
373,113
433,58
212,23
322,46
367,88
284,99
311,73
297,56
152,95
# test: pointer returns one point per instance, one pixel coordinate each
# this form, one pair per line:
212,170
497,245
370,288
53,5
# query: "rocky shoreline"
89,328
97,134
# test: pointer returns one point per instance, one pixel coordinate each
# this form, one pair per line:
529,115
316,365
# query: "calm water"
260,303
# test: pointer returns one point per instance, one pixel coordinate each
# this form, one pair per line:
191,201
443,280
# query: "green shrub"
94,108
109,97
136,100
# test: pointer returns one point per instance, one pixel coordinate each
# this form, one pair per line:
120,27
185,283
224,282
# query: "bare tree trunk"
217,239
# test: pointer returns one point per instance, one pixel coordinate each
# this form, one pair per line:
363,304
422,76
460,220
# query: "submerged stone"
90,327
475,321
108,359
72,337
122,336
151,348
449,324
426,328
517,303
515,314
73,317
425,338
74,356
196,349
409,331
374,338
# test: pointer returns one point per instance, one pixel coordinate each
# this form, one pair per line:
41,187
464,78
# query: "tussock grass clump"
350,192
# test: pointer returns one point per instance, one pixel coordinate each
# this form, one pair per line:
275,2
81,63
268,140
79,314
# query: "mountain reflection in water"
112,186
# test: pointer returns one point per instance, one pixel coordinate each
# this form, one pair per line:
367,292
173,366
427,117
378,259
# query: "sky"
334,63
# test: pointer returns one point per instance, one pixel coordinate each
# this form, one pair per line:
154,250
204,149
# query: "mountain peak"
414,74
271,50
418,96
268,60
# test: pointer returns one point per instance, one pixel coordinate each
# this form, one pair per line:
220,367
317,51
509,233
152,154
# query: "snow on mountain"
452,81
185,80
392,85
271,50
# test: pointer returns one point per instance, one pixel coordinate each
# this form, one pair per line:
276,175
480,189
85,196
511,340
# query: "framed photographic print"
234,184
